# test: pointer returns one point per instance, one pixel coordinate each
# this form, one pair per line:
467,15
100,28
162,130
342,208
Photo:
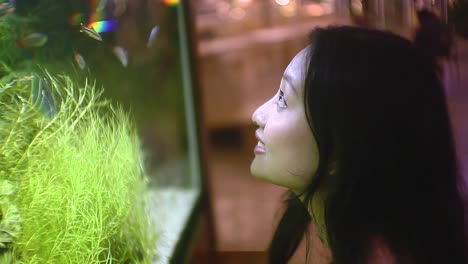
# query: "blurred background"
243,47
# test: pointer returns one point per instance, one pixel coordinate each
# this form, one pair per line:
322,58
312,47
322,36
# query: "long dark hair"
378,113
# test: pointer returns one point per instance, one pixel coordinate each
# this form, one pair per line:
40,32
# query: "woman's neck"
317,212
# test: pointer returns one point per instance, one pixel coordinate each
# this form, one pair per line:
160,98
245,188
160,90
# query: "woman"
359,133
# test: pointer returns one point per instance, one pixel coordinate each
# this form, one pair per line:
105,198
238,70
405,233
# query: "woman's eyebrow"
290,82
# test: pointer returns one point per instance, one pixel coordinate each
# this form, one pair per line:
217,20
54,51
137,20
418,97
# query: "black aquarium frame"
201,210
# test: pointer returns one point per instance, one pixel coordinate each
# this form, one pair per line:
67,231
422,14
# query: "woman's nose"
259,116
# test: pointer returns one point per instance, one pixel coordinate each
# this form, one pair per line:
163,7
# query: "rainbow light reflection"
170,2
103,26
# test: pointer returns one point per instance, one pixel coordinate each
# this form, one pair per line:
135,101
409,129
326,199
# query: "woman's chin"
258,171
261,173
254,170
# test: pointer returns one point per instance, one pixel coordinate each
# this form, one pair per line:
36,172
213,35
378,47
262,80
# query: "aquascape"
71,181
72,187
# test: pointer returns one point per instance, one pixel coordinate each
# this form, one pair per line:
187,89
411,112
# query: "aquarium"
98,129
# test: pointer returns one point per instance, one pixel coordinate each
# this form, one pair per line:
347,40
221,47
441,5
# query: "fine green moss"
72,189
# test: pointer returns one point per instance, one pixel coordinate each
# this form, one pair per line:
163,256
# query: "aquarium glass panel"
136,54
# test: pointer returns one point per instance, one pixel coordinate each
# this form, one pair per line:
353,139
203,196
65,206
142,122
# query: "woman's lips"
259,149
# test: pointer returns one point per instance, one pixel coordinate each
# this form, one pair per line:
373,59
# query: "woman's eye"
281,102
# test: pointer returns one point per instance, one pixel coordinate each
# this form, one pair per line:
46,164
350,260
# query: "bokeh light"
242,3
288,10
356,7
170,2
282,2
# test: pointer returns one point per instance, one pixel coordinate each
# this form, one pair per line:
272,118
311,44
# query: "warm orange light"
282,2
288,11
242,3
356,6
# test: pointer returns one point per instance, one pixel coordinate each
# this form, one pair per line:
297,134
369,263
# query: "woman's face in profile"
286,153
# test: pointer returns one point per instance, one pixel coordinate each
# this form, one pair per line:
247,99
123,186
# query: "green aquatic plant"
72,189
10,223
